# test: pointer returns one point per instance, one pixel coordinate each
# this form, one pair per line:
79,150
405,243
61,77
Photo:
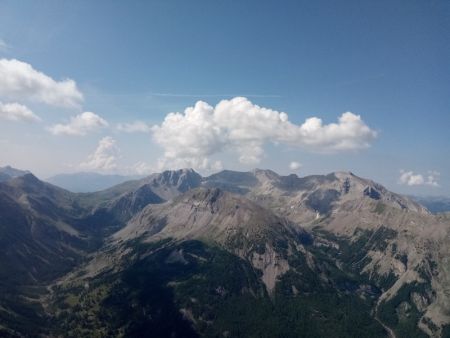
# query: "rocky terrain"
235,254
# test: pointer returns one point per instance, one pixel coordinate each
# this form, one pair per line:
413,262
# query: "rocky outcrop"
272,266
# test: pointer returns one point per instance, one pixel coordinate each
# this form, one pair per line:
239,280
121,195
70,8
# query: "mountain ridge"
9,172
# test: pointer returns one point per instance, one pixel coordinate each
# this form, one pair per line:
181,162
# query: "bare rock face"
208,213
272,266
303,199
216,216
171,183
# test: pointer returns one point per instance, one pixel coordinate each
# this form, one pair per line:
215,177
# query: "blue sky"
387,61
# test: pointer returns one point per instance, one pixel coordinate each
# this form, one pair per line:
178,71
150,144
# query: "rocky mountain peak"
27,182
13,171
343,174
265,174
182,179
9,172
353,187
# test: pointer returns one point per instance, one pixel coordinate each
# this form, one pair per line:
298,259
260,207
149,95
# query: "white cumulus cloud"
79,125
190,138
20,81
350,133
104,158
193,136
134,127
17,112
413,179
295,165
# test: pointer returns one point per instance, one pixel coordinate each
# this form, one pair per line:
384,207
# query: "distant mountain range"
235,254
88,181
435,204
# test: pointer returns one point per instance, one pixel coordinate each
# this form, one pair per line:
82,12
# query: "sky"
305,87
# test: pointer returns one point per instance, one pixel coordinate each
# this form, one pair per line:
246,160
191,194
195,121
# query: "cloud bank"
20,81
414,179
79,125
104,158
17,112
192,137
